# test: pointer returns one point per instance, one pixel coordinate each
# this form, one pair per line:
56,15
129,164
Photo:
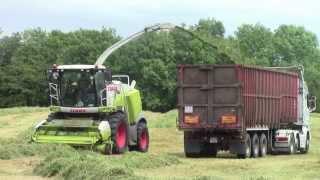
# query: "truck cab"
298,138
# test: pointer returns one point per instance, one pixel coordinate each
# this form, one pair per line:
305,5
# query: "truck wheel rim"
248,151
291,148
143,140
121,135
263,146
263,150
256,151
248,148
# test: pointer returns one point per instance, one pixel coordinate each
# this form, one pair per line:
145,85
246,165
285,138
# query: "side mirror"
133,84
312,103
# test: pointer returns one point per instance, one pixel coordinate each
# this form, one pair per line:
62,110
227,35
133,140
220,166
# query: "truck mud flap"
237,148
193,146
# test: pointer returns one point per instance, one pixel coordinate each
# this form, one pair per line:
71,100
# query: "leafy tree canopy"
152,59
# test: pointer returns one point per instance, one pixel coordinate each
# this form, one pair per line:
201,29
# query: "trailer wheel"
142,137
306,149
263,142
119,132
247,153
255,146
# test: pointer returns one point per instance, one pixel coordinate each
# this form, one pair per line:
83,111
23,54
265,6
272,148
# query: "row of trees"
152,59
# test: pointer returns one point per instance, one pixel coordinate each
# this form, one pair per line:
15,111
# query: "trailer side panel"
235,97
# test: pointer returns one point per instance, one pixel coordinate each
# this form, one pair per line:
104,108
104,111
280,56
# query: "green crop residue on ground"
20,159
161,120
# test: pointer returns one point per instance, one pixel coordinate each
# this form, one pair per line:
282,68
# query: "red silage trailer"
269,97
226,106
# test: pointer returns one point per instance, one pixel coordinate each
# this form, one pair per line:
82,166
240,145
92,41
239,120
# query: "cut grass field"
165,159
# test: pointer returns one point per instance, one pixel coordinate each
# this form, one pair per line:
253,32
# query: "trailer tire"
119,132
255,146
247,146
142,137
263,143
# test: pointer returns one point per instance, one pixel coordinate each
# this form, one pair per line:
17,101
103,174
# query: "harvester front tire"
119,132
142,137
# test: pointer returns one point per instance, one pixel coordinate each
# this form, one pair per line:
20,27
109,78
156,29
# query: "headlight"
103,126
104,129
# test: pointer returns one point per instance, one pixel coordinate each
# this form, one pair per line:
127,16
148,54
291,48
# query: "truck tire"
292,145
247,146
263,143
209,150
192,147
142,137
255,145
119,132
306,149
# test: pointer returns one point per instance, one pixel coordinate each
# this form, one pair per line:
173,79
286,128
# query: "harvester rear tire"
142,137
119,132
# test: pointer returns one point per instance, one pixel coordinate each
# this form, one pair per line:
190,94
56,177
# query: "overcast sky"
132,15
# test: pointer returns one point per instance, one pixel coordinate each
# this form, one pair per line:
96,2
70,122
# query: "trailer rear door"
208,97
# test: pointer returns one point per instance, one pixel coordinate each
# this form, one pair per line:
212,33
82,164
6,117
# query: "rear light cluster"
195,119
191,119
228,119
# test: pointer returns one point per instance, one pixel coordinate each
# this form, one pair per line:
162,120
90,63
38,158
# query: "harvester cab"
78,85
90,107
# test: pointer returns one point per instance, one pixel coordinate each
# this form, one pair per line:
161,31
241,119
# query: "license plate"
213,140
188,109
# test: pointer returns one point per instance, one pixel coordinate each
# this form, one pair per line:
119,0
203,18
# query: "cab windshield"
80,88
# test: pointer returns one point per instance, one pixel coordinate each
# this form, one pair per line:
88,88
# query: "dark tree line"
151,60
